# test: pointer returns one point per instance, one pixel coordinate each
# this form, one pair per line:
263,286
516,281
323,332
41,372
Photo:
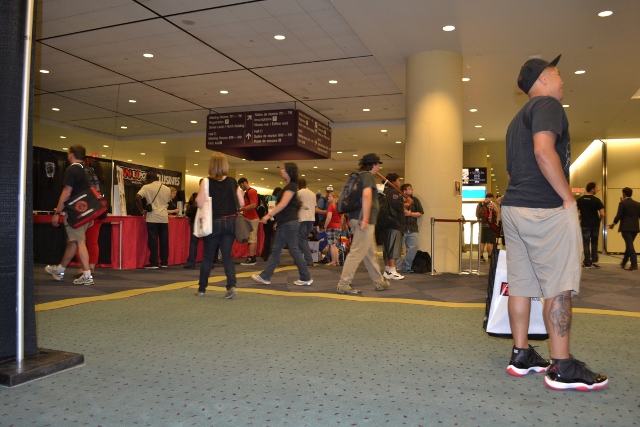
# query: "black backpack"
387,217
422,262
94,182
263,206
351,195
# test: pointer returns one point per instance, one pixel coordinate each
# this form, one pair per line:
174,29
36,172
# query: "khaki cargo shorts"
76,234
544,248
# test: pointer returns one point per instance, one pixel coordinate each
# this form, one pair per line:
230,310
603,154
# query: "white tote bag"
203,224
498,319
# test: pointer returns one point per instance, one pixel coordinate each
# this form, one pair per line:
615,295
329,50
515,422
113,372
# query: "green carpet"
171,359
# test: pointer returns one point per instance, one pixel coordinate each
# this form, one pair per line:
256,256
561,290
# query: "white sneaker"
392,275
84,280
53,271
303,282
258,278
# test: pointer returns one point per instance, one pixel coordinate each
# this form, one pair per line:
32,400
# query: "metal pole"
433,256
460,243
22,188
471,246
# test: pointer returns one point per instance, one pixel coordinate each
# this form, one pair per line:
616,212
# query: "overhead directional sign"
248,134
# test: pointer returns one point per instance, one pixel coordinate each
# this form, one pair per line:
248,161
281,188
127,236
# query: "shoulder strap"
159,188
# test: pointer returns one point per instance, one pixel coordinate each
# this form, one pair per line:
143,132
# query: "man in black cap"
362,222
543,236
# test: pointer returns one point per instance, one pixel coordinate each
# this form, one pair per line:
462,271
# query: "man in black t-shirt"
74,182
591,213
541,229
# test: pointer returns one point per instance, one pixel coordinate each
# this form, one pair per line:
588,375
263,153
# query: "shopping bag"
84,207
243,228
496,319
203,223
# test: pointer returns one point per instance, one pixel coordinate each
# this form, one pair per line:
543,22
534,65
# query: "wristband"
365,220
56,211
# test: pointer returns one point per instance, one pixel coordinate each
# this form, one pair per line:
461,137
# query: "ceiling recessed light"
241,174
163,142
196,151
346,174
355,155
333,82
398,142
315,167
148,55
488,155
478,126
366,109
123,127
473,110
160,166
104,155
133,101
383,130
319,179
244,159
55,109
44,71
448,28
279,37
65,148
481,139
465,79
105,146
195,164
266,168
128,160
224,92
304,175
339,152
580,72
142,154
605,13
194,121
565,105
261,179
330,169
63,137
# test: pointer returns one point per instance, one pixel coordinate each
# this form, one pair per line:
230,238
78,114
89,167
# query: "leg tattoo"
560,314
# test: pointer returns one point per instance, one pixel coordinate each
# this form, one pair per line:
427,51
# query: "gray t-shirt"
528,188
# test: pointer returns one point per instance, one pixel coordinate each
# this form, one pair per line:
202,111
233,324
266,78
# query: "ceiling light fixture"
195,164
194,121
339,152
315,167
478,126
196,151
133,101
383,130
128,160
355,155
473,110
142,154
44,71
104,155
224,92
466,79
448,28
580,72
333,82
148,55
279,37
55,109
398,142
63,137
488,155
565,105
105,146
605,13
123,127
481,139
266,168
163,142
366,109
160,166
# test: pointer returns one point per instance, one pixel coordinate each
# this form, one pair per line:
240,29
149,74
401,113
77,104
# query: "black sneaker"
585,265
524,361
595,265
572,374
249,261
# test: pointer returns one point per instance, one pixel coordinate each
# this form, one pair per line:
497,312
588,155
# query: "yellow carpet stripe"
216,279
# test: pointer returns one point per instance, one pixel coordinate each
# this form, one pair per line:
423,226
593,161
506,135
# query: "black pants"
155,230
193,248
590,244
630,251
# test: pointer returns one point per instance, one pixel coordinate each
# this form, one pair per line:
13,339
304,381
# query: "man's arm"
253,201
550,166
367,202
64,196
139,204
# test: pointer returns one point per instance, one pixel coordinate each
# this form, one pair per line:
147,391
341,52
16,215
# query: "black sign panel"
474,176
248,134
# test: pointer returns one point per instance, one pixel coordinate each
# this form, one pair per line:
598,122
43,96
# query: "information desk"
124,238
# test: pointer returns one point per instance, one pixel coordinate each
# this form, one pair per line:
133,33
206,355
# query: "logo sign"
577,190
81,206
504,289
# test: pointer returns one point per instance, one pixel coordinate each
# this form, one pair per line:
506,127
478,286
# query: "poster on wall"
129,178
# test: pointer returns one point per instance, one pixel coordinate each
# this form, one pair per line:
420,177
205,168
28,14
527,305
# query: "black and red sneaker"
572,374
525,360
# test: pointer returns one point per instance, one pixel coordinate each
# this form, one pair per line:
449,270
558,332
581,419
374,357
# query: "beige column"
433,152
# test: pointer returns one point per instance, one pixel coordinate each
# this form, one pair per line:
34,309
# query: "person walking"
248,209
74,182
306,216
361,222
226,196
591,214
333,227
287,232
541,229
628,213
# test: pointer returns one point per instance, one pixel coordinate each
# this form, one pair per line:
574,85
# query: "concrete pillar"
434,146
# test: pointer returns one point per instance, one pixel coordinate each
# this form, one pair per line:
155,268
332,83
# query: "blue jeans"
410,240
590,244
287,233
223,235
305,228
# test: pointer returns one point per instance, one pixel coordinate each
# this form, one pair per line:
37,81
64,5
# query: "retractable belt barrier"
461,223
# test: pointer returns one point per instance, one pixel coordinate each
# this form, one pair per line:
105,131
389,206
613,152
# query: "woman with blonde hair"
226,196
333,227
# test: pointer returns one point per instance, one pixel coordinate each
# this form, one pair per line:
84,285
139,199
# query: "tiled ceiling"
94,50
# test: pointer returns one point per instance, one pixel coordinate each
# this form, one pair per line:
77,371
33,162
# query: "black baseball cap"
369,159
531,70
